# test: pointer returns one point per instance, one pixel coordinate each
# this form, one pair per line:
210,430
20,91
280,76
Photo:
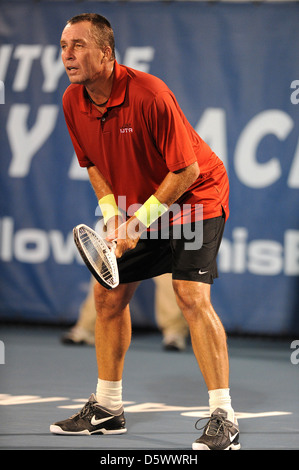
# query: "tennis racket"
98,255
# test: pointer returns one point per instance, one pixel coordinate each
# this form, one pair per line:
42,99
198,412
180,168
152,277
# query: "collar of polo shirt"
118,92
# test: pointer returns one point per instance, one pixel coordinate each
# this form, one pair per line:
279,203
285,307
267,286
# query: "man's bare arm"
102,188
170,190
99,183
176,184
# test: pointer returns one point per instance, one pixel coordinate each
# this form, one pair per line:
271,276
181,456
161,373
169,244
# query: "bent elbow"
194,172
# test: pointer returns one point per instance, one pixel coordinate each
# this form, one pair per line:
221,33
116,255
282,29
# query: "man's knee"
193,298
113,301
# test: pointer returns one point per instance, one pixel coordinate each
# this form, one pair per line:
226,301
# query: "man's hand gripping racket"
98,255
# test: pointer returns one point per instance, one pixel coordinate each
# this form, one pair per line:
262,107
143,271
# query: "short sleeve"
82,158
171,132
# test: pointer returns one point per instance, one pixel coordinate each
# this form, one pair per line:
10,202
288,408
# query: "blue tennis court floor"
43,381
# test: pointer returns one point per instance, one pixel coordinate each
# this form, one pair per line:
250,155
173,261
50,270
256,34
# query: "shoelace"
85,410
215,424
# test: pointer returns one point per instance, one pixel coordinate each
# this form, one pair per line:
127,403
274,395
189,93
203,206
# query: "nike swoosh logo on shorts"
95,421
202,272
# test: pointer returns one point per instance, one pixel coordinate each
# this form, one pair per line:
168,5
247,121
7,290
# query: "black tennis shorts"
187,251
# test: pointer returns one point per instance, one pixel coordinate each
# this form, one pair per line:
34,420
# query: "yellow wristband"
108,207
151,210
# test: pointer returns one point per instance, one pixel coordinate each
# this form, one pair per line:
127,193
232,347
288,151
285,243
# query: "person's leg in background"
169,317
83,331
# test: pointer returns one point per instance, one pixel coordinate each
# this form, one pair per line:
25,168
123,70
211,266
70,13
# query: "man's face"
80,54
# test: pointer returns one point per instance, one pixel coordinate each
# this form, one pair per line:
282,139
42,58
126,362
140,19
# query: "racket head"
98,255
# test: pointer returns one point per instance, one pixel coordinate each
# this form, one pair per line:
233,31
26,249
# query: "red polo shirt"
142,135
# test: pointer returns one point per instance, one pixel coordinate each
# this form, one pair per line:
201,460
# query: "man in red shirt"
144,158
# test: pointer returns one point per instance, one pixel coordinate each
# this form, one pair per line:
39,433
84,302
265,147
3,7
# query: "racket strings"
99,256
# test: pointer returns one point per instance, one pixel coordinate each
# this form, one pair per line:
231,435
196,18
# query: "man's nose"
68,54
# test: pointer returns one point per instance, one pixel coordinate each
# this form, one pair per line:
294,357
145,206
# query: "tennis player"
141,152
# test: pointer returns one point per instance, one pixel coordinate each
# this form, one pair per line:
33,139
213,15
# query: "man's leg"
207,333
210,348
104,413
113,329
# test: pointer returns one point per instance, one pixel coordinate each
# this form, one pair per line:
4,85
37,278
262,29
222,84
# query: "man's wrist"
109,207
150,211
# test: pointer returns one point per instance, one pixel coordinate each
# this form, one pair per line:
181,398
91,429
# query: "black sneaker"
92,419
219,433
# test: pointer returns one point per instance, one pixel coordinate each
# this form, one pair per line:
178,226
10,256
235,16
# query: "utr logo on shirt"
126,128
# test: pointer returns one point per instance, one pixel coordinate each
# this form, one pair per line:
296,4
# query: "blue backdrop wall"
234,69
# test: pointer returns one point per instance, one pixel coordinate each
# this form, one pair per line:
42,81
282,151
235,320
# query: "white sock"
220,398
109,394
